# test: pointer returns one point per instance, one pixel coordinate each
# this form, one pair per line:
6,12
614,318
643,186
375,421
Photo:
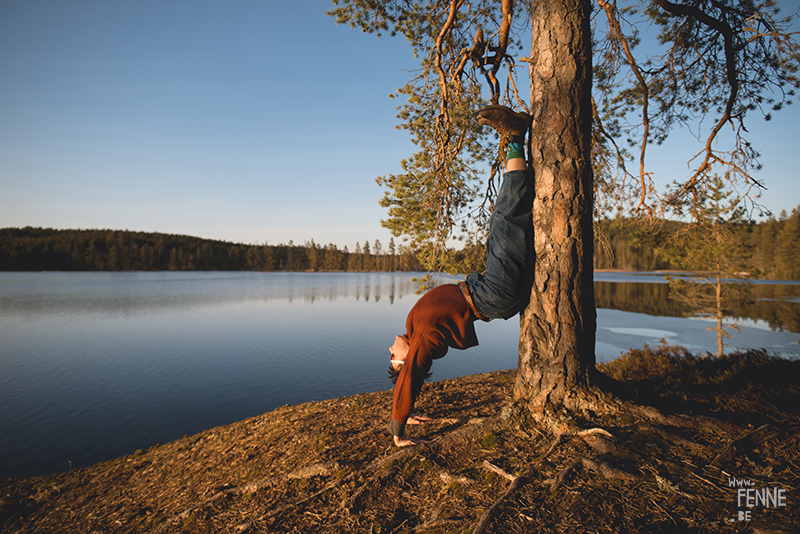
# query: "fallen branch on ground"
499,471
480,528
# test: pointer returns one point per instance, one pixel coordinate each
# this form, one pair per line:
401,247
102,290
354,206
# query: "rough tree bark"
557,329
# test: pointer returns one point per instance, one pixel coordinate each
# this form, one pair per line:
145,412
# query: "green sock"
514,150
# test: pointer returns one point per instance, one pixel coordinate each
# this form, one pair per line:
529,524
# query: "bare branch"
645,181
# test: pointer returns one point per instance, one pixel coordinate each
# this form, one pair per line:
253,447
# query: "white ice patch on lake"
646,332
619,331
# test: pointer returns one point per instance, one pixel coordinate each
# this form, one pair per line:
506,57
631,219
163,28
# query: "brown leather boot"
508,123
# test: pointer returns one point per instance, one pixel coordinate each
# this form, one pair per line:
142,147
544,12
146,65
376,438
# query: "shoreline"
657,272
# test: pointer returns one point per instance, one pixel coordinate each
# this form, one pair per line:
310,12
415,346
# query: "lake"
95,365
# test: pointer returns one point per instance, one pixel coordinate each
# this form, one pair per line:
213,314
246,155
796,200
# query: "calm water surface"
97,365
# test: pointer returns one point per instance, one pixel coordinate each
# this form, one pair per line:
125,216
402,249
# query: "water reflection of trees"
311,287
127,293
776,304
652,299
40,294
364,287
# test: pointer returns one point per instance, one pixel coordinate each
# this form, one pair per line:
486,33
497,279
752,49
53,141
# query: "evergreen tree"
313,256
356,259
376,249
786,254
711,245
366,262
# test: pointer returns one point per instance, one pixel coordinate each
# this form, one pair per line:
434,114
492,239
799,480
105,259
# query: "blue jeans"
501,291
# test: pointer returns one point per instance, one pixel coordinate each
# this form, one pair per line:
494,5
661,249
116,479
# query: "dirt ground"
330,466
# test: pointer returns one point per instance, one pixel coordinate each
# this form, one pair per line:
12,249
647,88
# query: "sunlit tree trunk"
557,330
720,330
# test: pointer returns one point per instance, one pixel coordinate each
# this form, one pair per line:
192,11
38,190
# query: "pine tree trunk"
557,329
720,331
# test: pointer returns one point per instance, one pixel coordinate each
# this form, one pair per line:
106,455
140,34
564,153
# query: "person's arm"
409,384
404,395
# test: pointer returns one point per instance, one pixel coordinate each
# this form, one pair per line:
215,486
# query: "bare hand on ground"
404,442
418,419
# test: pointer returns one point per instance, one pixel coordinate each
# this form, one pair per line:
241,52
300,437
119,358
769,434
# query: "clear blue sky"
247,121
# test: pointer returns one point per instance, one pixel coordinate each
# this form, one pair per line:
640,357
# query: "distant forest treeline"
771,247
772,251
38,249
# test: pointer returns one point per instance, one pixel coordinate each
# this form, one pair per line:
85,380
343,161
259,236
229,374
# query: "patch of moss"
391,463
424,463
626,419
489,441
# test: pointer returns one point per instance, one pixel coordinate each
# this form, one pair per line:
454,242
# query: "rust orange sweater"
439,320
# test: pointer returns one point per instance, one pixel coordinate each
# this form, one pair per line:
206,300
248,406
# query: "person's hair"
394,373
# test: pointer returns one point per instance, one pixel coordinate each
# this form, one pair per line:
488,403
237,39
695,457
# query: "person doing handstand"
445,316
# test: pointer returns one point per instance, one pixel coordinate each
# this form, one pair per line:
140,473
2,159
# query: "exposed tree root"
499,471
672,438
480,528
607,470
745,443
436,524
600,443
556,483
483,523
592,403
